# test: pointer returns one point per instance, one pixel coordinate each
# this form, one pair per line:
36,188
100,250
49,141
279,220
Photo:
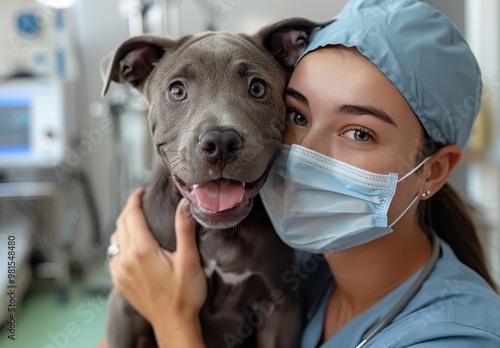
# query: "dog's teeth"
191,188
241,199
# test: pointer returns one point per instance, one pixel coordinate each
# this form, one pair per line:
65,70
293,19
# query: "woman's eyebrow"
365,110
296,95
346,109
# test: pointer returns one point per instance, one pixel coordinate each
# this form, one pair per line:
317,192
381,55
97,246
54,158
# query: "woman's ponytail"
446,213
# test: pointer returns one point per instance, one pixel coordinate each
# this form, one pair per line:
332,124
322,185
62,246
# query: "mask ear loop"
416,197
404,212
415,169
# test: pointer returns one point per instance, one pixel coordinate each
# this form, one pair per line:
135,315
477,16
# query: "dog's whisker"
258,213
234,232
209,232
221,234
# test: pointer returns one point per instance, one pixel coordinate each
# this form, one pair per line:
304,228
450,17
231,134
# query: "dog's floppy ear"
134,60
287,39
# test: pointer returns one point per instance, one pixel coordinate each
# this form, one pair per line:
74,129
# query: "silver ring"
113,250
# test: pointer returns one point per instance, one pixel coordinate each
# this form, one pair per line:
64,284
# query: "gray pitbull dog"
217,119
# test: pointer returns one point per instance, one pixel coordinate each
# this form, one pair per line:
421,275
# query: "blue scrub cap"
422,53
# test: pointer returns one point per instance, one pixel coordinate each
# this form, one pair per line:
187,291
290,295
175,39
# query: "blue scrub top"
454,308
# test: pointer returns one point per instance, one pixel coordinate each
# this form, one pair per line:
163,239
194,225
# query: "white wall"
454,9
248,16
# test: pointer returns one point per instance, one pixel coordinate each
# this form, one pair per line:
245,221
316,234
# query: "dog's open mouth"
222,202
217,196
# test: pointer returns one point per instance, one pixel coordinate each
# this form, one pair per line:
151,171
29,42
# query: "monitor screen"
14,126
32,124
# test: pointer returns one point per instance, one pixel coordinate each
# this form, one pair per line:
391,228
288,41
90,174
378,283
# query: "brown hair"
447,214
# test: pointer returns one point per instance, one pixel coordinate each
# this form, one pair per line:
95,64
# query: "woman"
371,119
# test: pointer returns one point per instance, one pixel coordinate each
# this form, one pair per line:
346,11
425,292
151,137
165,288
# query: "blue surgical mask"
319,204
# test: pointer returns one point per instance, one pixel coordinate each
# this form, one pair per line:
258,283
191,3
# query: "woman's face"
339,104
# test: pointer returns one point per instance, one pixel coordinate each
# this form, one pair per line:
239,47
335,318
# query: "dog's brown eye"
258,89
177,92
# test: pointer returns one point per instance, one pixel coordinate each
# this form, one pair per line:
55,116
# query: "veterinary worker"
380,108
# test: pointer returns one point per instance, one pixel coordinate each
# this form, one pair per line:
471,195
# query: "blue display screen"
14,125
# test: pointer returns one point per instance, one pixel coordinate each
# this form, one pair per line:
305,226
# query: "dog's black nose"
220,145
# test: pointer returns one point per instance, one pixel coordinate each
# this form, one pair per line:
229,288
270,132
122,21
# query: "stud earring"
425,194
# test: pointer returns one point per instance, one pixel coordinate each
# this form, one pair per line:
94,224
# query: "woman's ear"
439,167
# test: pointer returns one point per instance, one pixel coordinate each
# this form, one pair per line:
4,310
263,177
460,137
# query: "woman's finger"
136,231
185,232
113,239
135,197
122,223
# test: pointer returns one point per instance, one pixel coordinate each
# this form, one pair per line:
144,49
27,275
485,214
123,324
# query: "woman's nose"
318,141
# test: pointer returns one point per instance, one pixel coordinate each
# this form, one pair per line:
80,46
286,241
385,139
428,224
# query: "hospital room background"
69,158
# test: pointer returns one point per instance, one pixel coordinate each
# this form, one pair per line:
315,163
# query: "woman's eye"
177,92
258,89
359,134
297,118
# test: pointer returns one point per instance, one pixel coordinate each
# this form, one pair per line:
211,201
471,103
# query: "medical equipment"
19,232
37,40
403,301
32,123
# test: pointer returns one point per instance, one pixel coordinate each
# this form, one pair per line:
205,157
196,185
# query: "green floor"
44,322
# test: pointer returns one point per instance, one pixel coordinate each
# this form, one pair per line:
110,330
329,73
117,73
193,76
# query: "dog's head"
216,110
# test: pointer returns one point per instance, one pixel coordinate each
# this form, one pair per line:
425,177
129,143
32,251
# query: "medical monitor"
32,131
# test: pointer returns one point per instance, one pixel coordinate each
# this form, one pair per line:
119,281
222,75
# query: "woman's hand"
167,288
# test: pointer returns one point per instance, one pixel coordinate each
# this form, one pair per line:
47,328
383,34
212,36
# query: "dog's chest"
226,259
227,277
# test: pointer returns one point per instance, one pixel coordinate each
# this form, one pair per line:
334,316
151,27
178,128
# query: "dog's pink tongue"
219,195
